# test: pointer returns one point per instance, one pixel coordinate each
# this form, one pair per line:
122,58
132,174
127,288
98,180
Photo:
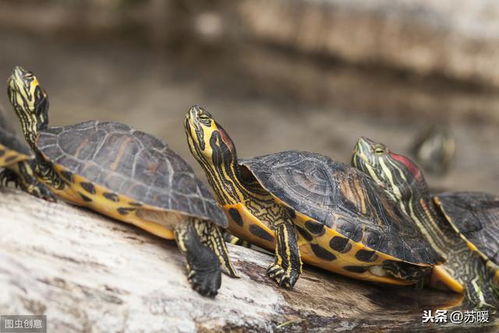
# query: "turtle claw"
283,277
205,283
26,182
42,192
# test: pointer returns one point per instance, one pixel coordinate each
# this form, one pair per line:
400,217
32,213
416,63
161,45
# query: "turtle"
306,206
463,227
16,160
434,149
128,175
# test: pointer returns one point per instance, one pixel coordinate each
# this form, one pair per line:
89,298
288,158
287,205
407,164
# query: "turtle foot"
42,192
283,277
206,283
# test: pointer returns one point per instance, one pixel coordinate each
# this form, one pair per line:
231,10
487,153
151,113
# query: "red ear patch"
413,168
225,137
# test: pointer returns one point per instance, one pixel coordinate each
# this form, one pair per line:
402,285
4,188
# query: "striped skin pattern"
404,181
355,234
128,175
17,161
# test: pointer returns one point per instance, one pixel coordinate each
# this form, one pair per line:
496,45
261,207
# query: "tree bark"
90,273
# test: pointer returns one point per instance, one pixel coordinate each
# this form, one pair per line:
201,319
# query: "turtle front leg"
213,237
29,183
287,266
22,177
203,266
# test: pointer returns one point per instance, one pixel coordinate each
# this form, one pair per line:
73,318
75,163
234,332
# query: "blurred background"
278,74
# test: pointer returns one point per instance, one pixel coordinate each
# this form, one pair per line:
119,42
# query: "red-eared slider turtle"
300,203
17,160
128,175
463,227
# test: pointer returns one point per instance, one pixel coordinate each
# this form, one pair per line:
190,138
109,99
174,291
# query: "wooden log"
90,273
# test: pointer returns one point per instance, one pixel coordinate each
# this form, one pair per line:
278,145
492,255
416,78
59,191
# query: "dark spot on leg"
84,197
89,187
111,196
136,204
322,253
2,152
236,217
355,269
366,255
340,244
68,176
304,233
11,158
314,227
261,233
125,210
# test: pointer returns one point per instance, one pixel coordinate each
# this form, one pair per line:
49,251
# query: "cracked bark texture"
88,273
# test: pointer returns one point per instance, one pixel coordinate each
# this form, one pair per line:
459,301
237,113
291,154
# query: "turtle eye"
379,150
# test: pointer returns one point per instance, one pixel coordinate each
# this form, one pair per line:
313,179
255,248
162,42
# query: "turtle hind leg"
203,265
287,267
419,275
29,183
214,238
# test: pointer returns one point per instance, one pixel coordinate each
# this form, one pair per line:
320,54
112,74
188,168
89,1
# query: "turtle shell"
130,163
341,198
9,138
476,216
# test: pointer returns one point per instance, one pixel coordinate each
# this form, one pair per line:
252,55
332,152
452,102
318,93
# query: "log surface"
90,273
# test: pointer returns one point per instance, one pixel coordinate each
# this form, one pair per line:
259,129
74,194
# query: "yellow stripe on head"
30,102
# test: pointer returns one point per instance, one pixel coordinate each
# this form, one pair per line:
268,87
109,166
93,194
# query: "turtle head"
208,141
401,178
30,101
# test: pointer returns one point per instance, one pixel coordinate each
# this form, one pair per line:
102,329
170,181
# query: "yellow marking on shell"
350,191
441,276
121,151
11,154
307,254
344,259
243,231
109,208
496,276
